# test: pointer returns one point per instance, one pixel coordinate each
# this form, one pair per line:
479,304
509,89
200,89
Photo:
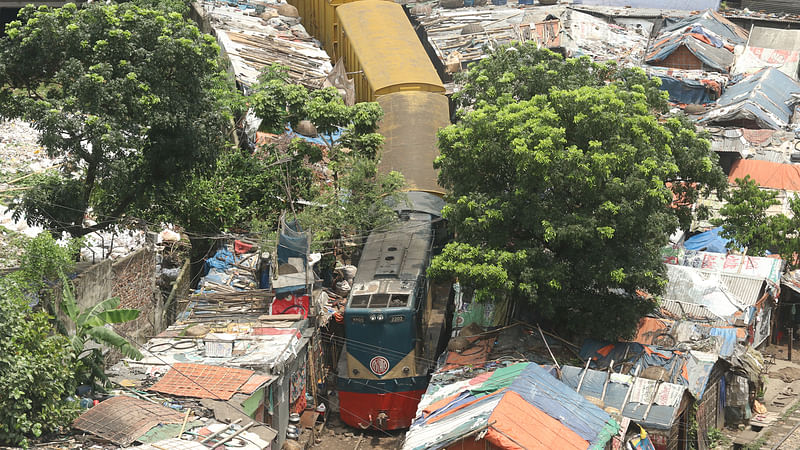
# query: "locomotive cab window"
398,300
359,301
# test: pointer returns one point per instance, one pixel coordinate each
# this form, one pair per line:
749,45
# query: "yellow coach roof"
390,53
410,123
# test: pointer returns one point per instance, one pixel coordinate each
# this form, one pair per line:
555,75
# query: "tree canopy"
352,203
131,98
746,222
564,185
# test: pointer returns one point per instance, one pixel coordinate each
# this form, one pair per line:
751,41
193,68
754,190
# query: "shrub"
35,371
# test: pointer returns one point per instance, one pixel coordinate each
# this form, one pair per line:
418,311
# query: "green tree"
131,98
35,371
557,172
745,221
352,204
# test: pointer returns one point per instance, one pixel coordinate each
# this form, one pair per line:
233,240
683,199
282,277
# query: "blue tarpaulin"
684,91
708,241
684,5
729,340
696,365
556,399
704,35
321,139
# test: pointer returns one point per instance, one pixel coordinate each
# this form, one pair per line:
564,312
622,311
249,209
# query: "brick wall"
134,282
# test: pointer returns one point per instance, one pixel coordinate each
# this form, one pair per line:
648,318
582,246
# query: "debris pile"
257,35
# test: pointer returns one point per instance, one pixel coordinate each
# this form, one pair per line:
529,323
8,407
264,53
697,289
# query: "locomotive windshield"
379,301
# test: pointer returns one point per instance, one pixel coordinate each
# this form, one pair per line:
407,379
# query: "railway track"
785,434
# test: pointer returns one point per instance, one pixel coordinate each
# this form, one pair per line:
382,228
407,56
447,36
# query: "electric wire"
225,236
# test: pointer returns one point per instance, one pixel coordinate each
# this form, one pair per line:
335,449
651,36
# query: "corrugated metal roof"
767,174
745,288
772,6
686,5
681,310
761,98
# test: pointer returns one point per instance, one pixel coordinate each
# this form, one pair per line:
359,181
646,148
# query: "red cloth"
240,247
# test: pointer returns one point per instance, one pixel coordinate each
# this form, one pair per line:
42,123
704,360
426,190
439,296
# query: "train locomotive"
392,312
384,364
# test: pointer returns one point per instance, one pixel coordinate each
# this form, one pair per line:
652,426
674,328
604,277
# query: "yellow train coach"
382,51
410,122
389,65
319,19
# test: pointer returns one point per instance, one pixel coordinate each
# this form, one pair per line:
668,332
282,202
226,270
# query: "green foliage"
353,204
35,374
243,187
178,6
278,102
744,218
90,326
521,71
357,208
745,222
42,264
35,364
558,187
716,438
132,98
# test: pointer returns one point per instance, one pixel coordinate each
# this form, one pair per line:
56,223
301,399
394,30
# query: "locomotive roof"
394,259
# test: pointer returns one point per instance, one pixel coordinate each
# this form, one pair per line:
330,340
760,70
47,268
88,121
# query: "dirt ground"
338,436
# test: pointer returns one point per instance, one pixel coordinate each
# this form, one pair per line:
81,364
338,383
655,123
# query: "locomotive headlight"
373,317
379,316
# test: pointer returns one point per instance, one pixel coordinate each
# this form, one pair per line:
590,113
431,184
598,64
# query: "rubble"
257,35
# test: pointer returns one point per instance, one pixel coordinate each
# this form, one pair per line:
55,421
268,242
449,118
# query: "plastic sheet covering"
293,242
690,369
685,91
690,286
729,340
749,266
770,47
550,395
527,404
718,58
709,241
664,397
737,391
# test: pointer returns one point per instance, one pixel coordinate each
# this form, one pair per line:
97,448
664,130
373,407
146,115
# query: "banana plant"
90,325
